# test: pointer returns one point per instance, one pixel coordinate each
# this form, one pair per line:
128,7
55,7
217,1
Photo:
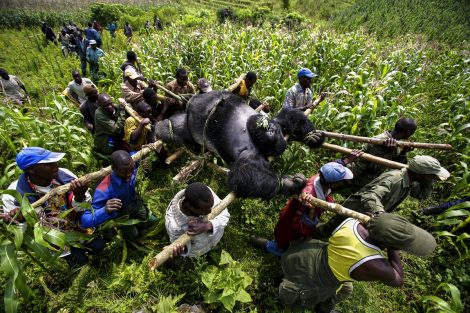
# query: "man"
300,96
93,54
147,27
245,86
88,107
159,110
128,32
116,196
112,27
82,45
47,30
133,63
135,133
298,219
203,85
180,86
75,88
187,213
64,40
12,88
387,192
133,88
109,126
41,174
91,33
314,270
364,172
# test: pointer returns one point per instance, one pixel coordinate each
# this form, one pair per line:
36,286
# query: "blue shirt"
91,33
111,187
93,55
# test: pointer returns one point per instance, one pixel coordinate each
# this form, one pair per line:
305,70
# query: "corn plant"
437,304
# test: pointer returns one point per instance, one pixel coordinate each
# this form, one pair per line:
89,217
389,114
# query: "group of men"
319,259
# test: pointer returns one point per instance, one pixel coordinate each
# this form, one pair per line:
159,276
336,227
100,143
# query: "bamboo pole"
86,179
218,168
378,141
174,156
133,113
167,252
315,103
334,207
174,95
365,156
235,85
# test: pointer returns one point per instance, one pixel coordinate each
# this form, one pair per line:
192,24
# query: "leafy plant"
437,304
226,285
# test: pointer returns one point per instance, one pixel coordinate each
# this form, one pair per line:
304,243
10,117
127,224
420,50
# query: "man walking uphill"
300,96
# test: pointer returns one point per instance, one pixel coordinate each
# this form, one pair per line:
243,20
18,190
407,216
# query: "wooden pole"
174,156
378,141
335,207
167,252
174,95
235,85
88,178
365,156
133,113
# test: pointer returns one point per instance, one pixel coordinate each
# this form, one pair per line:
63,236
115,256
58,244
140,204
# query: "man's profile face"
107,105
124,171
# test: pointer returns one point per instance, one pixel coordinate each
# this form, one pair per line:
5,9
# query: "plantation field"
369,82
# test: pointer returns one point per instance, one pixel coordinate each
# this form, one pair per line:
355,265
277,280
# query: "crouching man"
115,196
187,213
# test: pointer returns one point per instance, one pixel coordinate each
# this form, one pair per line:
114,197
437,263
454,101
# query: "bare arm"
389,272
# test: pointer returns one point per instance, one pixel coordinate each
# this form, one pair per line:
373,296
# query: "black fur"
222,123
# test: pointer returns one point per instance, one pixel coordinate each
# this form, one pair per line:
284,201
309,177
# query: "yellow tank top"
347,250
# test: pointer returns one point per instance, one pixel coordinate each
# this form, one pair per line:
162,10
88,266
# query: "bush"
224,14
105,13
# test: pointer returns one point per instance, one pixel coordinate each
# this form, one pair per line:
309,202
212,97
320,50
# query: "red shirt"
290,226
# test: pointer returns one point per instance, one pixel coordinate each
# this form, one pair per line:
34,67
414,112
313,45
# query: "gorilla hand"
314,139
293,185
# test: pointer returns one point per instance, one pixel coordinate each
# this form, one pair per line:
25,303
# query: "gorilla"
221,122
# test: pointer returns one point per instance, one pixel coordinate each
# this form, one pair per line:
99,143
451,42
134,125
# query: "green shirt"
386,192
108,126
364,171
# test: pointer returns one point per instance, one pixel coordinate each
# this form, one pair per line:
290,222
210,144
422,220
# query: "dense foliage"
369,83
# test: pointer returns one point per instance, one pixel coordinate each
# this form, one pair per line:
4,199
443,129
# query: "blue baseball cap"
334,172
34,155
306,72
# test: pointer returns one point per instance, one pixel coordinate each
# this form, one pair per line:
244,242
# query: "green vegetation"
370,83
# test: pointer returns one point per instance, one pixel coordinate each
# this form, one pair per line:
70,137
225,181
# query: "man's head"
394,231
181,77
404,128
305,77
122,164
143,109
4,74
150,96
203,85
39,163
91,92
77,77
105,102
131,56
333,175
131,75
424,168
198,199
90,24
93,44
250,79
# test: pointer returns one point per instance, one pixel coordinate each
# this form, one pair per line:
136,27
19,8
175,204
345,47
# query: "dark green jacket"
108,126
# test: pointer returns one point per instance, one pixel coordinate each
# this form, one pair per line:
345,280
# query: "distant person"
75,90
48,32
112,27
157,23
109,126
133,88
300,96
82,46
12,88
97,26
116,196
364,171
88,107
187,213
128,32
133,62
93,54
135,133
147,27
179,86
91,33
318,275
203,85
64,40
246,85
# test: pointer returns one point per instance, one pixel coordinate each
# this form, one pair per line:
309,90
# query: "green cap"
394,231
424,164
